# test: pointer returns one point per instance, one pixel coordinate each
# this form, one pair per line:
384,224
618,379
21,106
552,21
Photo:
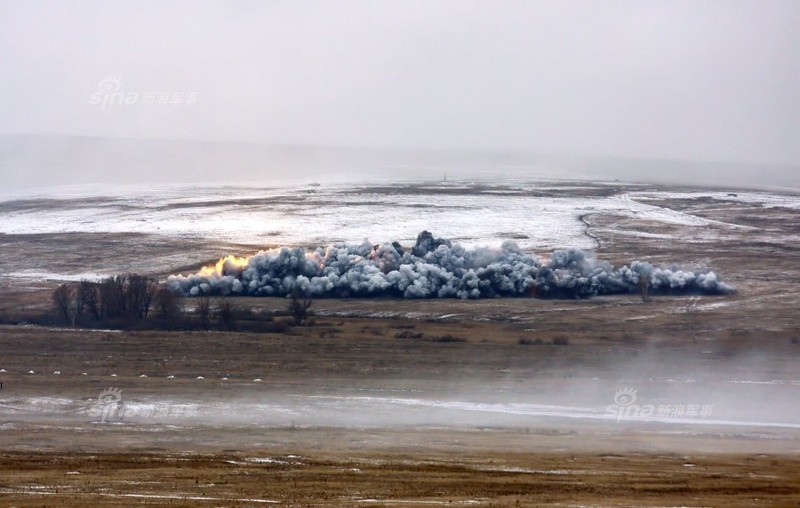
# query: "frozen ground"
540,216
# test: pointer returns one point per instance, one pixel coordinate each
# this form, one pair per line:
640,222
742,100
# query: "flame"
231,263
225,264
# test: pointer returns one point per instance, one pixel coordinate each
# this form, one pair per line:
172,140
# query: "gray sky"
715,80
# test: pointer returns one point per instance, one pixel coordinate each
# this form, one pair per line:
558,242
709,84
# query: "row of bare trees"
128,297
226,315
132,300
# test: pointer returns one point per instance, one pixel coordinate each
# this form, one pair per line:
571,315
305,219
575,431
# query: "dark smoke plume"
437,268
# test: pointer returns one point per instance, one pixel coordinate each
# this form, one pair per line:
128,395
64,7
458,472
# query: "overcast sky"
693,79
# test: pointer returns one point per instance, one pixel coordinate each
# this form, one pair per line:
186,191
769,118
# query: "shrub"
169,305
298,306
448,338
408,335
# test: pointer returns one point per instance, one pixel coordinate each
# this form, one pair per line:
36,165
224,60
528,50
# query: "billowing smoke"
437,268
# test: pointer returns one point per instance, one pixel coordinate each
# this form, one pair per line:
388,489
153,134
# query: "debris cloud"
438,268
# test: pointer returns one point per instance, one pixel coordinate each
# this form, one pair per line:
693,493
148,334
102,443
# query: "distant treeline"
127,297
132,301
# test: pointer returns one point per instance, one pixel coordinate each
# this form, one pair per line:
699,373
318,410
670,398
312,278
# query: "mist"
730,399
186,91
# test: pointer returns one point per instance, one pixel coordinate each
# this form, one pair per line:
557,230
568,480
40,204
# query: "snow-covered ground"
321,215
764,199
540,216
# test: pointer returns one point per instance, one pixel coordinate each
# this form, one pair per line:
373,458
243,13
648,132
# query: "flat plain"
389,402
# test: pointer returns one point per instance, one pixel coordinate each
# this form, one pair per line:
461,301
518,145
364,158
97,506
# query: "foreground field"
543,479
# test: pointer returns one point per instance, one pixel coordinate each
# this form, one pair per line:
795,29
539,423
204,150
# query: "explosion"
226,265
437,268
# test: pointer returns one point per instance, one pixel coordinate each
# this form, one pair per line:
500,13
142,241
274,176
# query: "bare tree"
692,316
88,295
298,306
112,296
127,295
204,310
168,303
644,289
226,315
138,295
63,302
78,301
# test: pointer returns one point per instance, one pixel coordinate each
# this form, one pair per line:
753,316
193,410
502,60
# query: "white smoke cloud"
437,268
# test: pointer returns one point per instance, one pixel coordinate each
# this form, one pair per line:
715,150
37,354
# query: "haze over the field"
678,80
